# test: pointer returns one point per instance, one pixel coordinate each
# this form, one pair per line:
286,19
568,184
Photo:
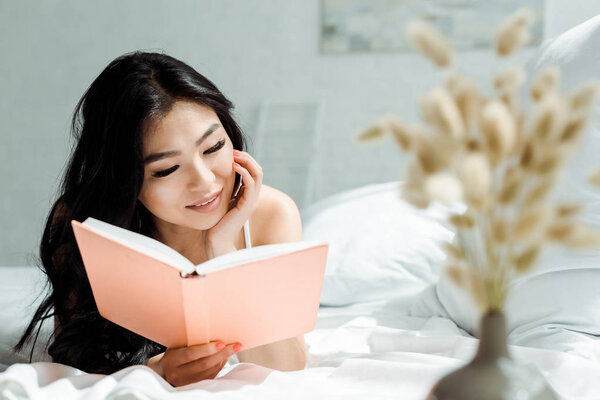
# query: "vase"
492,374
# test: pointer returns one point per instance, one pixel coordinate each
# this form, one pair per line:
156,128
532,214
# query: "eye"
216,147
165,172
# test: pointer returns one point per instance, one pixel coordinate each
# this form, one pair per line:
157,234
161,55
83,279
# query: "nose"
200,177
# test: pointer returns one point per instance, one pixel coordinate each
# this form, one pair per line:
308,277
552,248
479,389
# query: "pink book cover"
255,302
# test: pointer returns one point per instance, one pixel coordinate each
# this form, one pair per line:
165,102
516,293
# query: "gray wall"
252,50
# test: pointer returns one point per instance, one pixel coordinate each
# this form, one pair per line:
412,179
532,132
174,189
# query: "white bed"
366,350
390,324
383,341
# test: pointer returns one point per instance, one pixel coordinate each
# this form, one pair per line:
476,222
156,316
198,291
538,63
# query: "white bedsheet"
367,350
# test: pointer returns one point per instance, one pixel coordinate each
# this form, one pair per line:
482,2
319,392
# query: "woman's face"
188,157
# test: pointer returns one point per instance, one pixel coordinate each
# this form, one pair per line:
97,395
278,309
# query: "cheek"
159,197
225,166
227,171
222,165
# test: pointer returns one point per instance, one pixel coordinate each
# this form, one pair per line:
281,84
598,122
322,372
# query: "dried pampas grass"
509,81
444,187
474,172
441,111
499,127
547,81
499,160
430,43
595,178
513,33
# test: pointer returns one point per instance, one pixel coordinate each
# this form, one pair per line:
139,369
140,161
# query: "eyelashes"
216,147
163,173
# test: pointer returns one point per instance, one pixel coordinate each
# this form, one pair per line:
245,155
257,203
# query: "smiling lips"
206,199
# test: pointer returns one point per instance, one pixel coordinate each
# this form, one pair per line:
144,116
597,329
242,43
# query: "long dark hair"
103,178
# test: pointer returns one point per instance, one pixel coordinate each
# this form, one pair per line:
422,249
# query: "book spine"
196,310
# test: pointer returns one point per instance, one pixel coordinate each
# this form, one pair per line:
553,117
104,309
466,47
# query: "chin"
204,221
204,224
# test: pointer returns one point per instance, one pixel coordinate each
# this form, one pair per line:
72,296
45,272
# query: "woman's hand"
220,238
184,365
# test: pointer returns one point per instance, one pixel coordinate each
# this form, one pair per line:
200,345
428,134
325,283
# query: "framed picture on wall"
349,26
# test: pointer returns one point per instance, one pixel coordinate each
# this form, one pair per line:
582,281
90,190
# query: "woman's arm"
154,364
282,224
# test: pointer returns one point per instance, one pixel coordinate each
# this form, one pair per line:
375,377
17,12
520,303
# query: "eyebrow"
158,156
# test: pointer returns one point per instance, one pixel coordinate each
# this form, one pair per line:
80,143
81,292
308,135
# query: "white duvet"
364,351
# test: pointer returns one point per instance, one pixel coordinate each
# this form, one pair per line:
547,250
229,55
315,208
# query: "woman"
157,152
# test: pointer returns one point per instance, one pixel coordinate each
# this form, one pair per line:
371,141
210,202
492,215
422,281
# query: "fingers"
185,377
206,366
186,365
210,373
246,157
191,353
247,178
248,164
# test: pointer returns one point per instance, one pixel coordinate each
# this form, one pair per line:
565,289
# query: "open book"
252,296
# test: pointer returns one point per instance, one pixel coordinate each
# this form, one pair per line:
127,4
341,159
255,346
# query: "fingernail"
220,346
237,347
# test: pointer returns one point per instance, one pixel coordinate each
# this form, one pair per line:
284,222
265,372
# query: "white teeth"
198,205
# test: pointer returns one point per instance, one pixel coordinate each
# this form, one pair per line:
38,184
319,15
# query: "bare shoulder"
276,218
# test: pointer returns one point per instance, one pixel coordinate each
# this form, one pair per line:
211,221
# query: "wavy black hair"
103,178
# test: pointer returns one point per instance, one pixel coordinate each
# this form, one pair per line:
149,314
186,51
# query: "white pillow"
20,289
558,305
379,245
576,53
558,310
